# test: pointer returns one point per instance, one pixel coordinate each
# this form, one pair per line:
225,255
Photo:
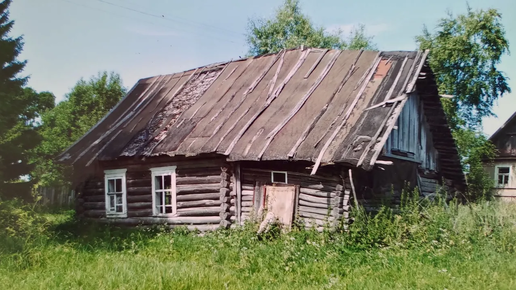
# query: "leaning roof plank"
317,105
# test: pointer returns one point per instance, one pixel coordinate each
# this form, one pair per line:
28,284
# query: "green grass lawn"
470,248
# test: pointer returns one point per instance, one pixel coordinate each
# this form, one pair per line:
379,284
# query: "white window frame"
168,170
497,184
281,172
115,174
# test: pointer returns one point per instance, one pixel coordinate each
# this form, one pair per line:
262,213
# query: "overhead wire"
155,16
171,18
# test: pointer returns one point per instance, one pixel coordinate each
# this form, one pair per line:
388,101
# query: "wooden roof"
302,104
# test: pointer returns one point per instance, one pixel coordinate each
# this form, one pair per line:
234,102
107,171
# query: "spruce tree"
20,107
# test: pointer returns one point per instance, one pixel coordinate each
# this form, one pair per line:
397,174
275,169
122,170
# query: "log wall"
320,200
203,188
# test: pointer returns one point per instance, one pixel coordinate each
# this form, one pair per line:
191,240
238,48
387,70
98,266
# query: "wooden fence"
56,197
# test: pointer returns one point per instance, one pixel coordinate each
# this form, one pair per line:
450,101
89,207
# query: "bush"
435,224
21,229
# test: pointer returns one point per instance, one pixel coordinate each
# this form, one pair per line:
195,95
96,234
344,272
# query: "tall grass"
423,245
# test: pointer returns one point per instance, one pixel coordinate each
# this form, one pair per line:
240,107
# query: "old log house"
297,133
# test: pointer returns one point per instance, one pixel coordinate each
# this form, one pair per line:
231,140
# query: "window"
164,190
279,177
503,175
115,193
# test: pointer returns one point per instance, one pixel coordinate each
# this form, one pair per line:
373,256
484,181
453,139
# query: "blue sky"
69,39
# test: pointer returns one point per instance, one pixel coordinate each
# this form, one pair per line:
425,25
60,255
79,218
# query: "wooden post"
238,189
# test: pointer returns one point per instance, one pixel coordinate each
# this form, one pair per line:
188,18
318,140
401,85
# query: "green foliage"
87,103
476,150
464,55
289,28
19,107
20,226
465,52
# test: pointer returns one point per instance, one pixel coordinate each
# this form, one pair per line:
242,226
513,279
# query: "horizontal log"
93,198
139,198
94,184
197,188
247,209
317,193
198,203
198,179
322,211
139,205
232,201
246,192
139,190
183,172
94,213
232,218
247,203
198,196
316,205
292,174
167,220
320,200
199,211
140,182
140,213
94,191
247,187
93,205
310,215
324,187
247,198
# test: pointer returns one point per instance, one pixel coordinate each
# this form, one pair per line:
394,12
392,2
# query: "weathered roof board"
311,104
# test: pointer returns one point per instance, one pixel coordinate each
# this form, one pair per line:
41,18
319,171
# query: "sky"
66,40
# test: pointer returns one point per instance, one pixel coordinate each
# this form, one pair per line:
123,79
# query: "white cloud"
370,29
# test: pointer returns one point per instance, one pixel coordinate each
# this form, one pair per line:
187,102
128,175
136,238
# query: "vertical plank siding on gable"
412,139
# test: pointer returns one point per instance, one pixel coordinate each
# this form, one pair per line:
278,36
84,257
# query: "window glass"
164,194
279,177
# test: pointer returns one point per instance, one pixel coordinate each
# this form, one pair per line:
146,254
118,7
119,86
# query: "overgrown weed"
424,240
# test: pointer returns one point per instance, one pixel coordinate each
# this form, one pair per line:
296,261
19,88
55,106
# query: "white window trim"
160,171
509,183
115,173
284,172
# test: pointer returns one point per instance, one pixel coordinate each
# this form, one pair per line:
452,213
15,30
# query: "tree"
20,107
289,28
464,54
82,108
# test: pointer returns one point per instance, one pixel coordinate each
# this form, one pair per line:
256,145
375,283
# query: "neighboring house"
503,169
298,133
